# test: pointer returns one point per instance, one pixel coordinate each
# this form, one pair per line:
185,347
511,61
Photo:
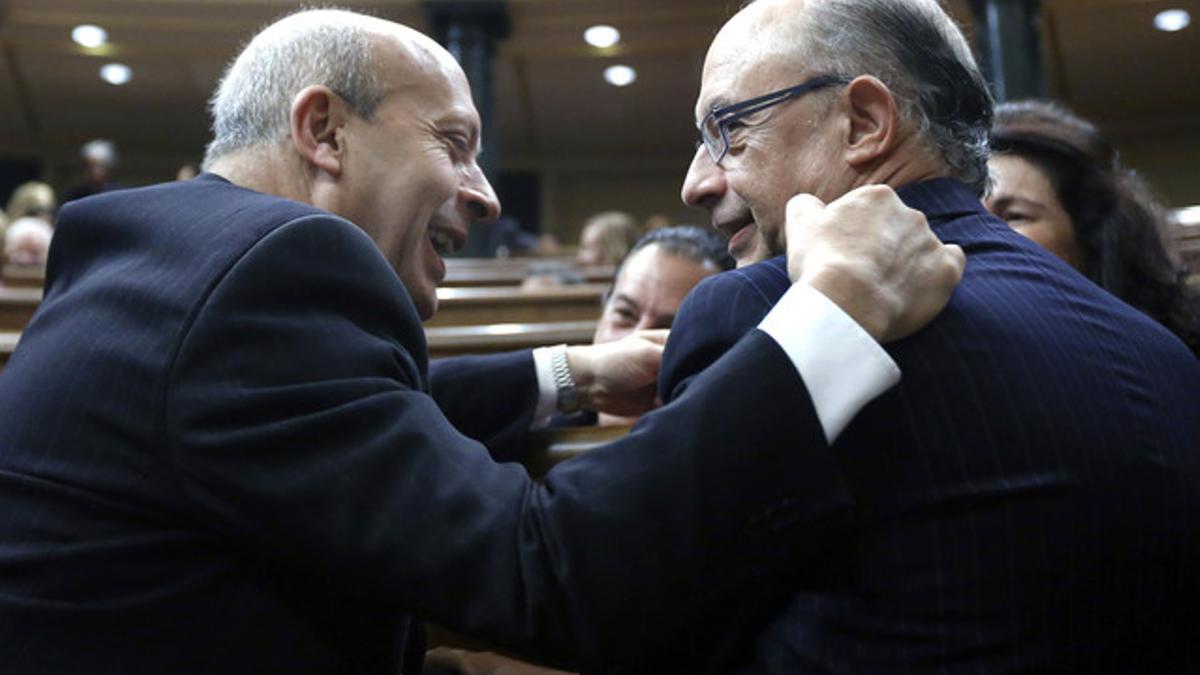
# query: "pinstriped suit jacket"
219,454
1026,500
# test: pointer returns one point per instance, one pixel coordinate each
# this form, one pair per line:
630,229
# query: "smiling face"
1024,197
648,292
411,180
773,154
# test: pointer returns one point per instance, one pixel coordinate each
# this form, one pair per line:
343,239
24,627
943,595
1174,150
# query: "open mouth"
730,228
446,240
737,232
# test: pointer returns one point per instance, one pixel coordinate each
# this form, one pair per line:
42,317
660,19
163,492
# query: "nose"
704,184
478,197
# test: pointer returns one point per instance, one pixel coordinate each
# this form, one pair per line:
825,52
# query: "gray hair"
101,151
252,104
916,49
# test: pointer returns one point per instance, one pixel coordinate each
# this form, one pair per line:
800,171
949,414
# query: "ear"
873,120
318,119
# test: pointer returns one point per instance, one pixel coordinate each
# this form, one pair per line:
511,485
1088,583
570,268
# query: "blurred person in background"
1058,182
656,222
99,161
606,238
186,172
31,210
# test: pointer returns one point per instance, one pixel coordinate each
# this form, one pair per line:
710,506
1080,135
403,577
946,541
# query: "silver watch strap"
564,383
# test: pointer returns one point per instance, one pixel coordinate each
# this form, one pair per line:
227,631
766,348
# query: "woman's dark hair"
1120,227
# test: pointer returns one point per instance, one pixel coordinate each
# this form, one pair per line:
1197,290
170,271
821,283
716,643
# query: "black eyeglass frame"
720,118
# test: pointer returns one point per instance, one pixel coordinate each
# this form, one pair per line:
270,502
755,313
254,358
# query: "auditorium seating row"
453,340
456,306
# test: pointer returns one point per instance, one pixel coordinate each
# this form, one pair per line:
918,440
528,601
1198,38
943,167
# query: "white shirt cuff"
842,366
547,403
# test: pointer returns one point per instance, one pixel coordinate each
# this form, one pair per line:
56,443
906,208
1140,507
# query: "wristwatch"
564,383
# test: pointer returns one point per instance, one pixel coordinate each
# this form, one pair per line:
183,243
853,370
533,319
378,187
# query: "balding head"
366,119
360,58
823,96
913,46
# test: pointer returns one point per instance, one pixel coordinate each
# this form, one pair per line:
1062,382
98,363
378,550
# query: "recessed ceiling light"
602,36
620,76
1189,215
1171,20
88,35
116,73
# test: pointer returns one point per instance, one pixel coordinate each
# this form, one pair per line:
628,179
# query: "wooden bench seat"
456,340
24,276
17,306
488,305
502,337
515,276
8,342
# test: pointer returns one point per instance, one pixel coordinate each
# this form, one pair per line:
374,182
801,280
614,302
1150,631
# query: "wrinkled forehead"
754,52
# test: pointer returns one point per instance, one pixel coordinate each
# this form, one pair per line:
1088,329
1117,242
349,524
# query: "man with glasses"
1026,499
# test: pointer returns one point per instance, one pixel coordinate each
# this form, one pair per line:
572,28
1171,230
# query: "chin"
426,307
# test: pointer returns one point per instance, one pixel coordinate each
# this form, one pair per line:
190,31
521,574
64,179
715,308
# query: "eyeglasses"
714,128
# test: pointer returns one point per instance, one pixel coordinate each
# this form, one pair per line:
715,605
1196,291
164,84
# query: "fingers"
657,336
804,213
803,207
958,261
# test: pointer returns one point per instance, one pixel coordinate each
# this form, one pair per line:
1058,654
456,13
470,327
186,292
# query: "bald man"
223,450
1026,499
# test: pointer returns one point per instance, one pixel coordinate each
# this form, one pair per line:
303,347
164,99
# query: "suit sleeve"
298,424
488,398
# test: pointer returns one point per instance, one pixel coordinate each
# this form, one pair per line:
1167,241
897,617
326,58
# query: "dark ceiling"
1103,57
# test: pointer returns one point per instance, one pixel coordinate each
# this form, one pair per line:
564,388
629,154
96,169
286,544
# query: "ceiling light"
89,36
116,73
1172,20
602,36
620,76
1188,216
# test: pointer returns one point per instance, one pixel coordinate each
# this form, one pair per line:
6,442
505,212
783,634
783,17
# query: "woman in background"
31,212
606,238
1059,183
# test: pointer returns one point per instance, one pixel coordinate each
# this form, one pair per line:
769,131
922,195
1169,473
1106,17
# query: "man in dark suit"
223,451
1028,498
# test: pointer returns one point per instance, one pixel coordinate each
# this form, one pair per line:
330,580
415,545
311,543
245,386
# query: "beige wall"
573,190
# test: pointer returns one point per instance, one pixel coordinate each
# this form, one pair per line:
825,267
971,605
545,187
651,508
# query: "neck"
268,171
911,161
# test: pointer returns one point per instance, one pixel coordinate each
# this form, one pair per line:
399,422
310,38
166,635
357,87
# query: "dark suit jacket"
1026,500
219,454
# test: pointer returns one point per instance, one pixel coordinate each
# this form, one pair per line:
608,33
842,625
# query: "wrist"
580,364
566,393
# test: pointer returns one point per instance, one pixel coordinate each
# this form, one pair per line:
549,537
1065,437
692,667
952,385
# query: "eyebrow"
715,104
718,103
1009,200
627,300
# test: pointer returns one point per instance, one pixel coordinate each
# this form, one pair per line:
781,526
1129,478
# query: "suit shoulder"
715,315
755,288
